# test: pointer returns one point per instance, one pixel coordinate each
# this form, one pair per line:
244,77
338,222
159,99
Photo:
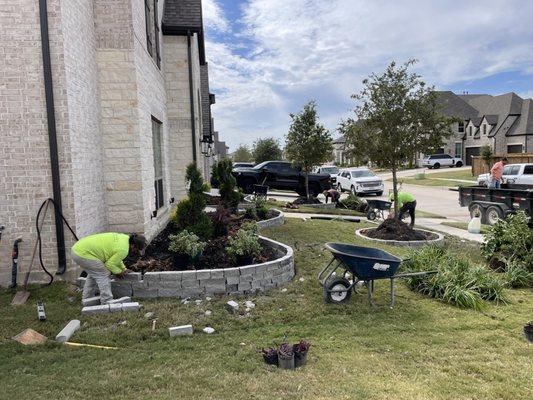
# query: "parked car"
282,176
514,176
243,165
359,181
441,160
332,170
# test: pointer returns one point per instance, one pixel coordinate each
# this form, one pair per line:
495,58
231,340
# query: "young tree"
486,155
266,150
308,143
242,154
398,116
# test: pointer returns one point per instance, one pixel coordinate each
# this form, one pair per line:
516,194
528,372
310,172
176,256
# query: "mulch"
393,229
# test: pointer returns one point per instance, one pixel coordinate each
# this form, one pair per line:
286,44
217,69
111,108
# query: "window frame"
147,18
156,33
158,172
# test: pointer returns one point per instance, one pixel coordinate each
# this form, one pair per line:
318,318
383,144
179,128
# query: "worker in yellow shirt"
102,254
406,204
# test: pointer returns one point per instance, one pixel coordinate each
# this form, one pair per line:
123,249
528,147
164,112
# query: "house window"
470,131
156,33
484,129
158,163
152,30
461,127
148,19
514,148
458,150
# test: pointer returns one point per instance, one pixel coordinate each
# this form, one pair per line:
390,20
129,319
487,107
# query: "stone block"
244,286
67,332
133,306
203,274
231,272
190,284
188,275
233,288
139,285
232,306
174,276
232,280
191,292
115,307
246,278
180,330
132,277
217,273
102,309
145,293
151,277
91,301
249,270
81,282
169,292
124,299
121,289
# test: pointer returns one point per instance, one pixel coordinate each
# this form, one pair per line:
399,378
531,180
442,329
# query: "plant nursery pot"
528,333
300,359
286,363
271,360
180,262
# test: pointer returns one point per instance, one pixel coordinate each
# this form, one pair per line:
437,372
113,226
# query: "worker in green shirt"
102,254
406,203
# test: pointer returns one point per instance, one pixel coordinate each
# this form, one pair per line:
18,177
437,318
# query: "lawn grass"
422,349
431,179
464,225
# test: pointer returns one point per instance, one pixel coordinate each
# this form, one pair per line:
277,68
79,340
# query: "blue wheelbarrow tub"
365,263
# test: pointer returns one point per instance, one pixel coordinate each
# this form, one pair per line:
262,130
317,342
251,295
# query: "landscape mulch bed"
157,257
393,229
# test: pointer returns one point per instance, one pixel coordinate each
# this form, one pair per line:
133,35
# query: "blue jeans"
494,184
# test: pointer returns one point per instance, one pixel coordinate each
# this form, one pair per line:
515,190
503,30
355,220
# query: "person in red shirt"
496,173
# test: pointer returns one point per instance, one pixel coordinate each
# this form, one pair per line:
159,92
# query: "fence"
480,167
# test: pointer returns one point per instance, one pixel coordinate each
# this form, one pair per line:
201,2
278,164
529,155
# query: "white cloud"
214,16
323,49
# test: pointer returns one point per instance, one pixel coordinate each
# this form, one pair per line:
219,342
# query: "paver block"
91,301
231,272
217,273
152,277
180,330
121,289
140,285
132,277
170,276
102,309
169,292
146,293
67,332
133,306
245,286
115,307
233,288
188,275
203,274
232,306
232,280
124,299
249,270
190,284
81,282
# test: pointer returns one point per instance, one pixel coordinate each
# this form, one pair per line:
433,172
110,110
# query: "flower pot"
271,359
180,262
528,333
300,359
286,363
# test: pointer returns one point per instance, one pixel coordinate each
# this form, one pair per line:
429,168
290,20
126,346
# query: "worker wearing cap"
406,203
102,254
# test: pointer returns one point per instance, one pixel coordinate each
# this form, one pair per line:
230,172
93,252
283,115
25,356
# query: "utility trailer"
494,204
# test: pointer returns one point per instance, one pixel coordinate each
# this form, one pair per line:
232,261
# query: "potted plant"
528,331
300,353
187,248
270,355
286,356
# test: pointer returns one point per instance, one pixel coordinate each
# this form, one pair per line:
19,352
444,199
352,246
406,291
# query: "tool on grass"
40,311
15,261
94,346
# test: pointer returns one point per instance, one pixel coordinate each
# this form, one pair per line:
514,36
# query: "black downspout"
191,96
52,137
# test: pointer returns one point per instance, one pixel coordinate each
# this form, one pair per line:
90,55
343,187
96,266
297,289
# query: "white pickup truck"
514,176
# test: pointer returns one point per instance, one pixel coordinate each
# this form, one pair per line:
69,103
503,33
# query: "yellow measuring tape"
95,346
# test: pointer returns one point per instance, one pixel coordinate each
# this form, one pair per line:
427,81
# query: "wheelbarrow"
359,266
376,208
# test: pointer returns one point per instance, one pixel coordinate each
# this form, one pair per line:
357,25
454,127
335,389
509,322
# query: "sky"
267,58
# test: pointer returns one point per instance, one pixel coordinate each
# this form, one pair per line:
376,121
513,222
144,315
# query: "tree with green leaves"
397,117
308,142
266,150
486,155
242,154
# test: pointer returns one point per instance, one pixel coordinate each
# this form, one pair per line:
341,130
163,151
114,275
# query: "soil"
305,200
393,229
497,265
157,257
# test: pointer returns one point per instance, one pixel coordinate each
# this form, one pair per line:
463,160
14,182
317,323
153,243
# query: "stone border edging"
272,222
405,243
209,282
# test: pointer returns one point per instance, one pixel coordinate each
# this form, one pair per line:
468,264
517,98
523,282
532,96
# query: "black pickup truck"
282,176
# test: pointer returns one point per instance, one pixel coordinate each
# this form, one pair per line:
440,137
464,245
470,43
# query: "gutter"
52,137
191,96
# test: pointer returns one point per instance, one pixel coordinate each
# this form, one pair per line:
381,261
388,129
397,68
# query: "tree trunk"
307,184
395,191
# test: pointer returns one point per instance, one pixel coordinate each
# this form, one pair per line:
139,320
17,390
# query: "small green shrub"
222,174
510,241
245,243
251,213
457,281
517,275
186,243
354,202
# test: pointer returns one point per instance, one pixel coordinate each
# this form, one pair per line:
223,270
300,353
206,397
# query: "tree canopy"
242,154
266,150
397,118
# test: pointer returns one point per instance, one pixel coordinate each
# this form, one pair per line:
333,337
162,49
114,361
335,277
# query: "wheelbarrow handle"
412,274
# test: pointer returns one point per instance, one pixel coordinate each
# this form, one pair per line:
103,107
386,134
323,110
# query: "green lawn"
313,210
456,178
422,349
464,225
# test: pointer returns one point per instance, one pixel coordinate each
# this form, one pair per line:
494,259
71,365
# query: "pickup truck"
515,176
282,176
494,204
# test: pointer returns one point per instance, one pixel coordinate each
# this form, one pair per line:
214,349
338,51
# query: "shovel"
21,297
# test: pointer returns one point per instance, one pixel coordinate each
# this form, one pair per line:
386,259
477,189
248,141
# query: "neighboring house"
504,122
339,151
130,109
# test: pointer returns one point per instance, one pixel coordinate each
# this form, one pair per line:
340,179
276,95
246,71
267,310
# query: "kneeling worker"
102,254
334,194
406,203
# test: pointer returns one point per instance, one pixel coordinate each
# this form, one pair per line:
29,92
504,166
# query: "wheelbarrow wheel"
337,284
371,215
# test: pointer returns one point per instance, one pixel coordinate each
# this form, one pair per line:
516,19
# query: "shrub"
457,281
510,241
186,243
221,218
245,243
354,202
226,183
517,275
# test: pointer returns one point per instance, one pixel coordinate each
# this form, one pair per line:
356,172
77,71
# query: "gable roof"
454,105
491,119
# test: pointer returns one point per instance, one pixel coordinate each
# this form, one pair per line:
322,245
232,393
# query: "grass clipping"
457,281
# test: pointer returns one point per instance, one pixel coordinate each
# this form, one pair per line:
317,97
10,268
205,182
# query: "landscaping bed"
393,229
